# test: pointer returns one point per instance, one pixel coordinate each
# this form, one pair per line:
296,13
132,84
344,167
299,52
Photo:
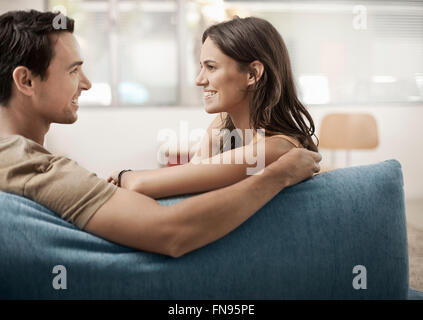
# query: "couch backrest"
339,235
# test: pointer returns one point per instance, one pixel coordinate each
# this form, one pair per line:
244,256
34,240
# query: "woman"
247,80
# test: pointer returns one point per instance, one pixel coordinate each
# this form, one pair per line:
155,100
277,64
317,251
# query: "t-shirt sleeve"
68,189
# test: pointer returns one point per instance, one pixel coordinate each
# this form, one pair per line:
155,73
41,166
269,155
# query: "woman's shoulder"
294,141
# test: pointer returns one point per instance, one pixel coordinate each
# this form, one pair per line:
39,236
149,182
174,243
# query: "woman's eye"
211,67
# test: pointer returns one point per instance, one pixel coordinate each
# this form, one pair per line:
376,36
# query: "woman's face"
224,85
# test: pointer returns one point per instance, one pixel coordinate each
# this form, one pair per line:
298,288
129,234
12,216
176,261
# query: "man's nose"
85,84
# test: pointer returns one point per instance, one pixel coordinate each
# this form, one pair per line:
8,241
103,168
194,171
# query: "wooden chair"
347,131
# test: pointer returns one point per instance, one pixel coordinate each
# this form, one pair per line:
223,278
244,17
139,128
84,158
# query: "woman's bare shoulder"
285,139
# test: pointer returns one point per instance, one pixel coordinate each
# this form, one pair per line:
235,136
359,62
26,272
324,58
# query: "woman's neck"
241,120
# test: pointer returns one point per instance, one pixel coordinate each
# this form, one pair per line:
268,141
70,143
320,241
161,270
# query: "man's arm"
138,221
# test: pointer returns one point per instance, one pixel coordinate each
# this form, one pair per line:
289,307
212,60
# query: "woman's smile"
210,94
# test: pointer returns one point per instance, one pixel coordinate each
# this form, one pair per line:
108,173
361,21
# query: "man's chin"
70,118
74,119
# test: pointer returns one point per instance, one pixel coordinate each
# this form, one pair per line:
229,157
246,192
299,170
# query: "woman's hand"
129,179
113,178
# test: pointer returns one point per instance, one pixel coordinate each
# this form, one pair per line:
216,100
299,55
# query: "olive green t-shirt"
58,183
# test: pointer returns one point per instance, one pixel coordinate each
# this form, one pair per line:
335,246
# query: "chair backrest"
348,131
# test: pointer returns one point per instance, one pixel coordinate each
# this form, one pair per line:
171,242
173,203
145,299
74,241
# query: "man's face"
56,97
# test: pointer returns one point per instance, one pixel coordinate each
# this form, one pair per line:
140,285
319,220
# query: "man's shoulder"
19,161
13,143
56,182
21,156
11,140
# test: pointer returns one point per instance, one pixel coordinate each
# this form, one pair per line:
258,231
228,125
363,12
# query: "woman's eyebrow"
208,61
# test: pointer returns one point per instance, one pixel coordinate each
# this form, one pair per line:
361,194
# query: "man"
41,79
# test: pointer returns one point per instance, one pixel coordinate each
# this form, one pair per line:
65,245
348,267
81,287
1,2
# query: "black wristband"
120,176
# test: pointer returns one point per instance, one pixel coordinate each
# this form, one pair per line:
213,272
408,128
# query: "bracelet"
120,176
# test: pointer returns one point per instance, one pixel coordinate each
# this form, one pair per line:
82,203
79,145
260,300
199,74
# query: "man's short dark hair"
25,40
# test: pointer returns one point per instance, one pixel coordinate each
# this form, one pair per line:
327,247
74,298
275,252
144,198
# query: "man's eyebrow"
76,63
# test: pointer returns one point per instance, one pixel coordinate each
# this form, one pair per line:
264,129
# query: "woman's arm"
204,151
212,173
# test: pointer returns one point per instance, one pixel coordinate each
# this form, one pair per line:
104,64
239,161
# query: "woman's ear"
256,72
23,79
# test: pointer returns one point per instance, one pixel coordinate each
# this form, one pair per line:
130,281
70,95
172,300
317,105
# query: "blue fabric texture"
304,244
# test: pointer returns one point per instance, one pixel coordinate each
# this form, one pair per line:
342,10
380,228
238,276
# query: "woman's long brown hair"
274,106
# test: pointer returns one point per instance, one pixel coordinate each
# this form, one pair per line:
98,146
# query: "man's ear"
23,80
257,69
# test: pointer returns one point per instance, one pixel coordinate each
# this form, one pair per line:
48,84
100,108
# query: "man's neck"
15,121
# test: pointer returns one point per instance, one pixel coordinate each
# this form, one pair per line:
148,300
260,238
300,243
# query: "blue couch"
304,244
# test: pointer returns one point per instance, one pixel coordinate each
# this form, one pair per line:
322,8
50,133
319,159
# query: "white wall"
104,140
107,140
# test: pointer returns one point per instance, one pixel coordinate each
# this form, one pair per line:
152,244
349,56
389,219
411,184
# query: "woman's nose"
201,80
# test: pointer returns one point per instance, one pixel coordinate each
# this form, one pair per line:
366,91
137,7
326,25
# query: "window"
130,50
147,53
348,52
141,53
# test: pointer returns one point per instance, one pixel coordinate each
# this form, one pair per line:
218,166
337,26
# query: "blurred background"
142,57
358,67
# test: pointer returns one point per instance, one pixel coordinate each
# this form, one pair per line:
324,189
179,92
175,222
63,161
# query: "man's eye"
211,67
74,70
